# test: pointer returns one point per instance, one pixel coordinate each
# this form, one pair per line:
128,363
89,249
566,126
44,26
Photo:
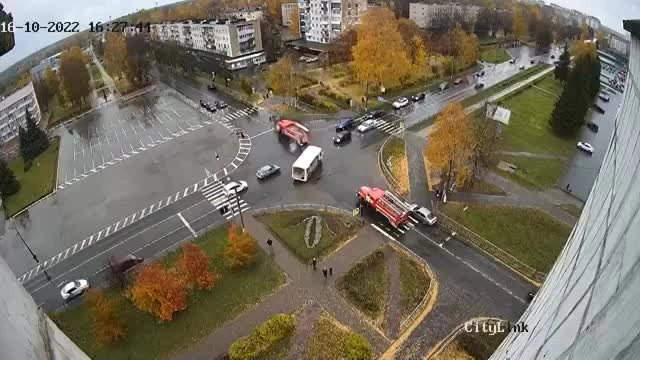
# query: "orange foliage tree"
158,292
106,323
241,250
193,265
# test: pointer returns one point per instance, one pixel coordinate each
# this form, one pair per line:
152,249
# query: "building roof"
15,96
632,26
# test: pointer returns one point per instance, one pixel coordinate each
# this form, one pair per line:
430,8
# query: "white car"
424,214
73,289
604,96
312,59
240,186
585,147
400,103
367,125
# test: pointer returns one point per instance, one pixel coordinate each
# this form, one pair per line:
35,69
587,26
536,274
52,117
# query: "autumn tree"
464,46
241,250
23,80
295,22
281,77
74,76
54,84
408,30
274,8
533,19
340,50
138,60
158,291
43,94
484,133
193,265
451,146
379,57
544,34
563,65
115,54
519,24
107,326
603,42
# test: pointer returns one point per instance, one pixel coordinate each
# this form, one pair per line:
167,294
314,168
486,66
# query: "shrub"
318,103
344,99
246,86
241,251
262,338
27,165
357,347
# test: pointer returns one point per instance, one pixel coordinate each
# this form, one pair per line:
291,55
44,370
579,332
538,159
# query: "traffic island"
394,164
472,345
310,234
332,340
271,340
235,291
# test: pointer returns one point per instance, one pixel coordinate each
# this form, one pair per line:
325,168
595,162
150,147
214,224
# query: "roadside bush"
357,347
263,338
318,103
339,97
246,86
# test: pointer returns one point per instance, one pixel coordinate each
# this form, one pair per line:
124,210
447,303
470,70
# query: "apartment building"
287,13
423,14
324,20
236,41
249,14
12,111
39,71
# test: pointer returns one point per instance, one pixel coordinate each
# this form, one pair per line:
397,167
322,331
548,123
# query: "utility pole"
34,257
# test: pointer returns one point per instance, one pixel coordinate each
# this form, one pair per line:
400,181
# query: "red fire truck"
293,130
386,203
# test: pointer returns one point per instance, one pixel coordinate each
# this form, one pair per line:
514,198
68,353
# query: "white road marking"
172,109
185,222
151,208
107,231
116,226
177,196
168,200
143,211
133,218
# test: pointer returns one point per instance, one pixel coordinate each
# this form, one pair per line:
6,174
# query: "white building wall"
423,13
12,111
328,18
287,12
25,331
588,307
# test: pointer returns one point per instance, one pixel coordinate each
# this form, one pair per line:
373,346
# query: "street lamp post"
240,212
34,257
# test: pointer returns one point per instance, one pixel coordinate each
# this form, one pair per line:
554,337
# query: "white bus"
305,165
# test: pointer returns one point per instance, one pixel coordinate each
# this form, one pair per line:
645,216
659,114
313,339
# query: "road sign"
381,99
356,211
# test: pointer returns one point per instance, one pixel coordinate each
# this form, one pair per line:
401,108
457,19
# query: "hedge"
357,347
318,103
263,338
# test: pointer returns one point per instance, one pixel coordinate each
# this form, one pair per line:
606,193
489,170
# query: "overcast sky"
610,12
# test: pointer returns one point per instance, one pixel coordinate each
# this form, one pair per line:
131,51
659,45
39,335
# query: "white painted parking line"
66,253
82,246
175,112
195,189
159,203
168,116
185,192
99,236
185,222
158,118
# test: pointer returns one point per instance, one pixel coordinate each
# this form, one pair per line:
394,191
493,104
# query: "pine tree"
571,107
33,140
563,67
23,140
8,183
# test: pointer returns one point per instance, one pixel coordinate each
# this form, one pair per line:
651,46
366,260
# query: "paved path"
533,155
303,284
305,322
393,312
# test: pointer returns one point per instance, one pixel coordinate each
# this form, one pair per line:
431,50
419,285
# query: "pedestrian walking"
314,263
325,273
330,270
270,242
568,186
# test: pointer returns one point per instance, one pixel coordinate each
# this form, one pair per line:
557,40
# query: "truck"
309,160
386,203
293,130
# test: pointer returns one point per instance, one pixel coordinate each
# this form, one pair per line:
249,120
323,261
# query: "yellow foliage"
519,23
241,250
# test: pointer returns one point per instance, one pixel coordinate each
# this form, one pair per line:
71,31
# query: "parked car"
418,97
341,137
203,104
592,126
74,289
424,214
400,103
346,124
443,85
512,61
598,108
120,264
367,125
604,96
302,58
266,171
458,81
531,62
586,147
211,108
312,59
521,67
220,104
211,87
375,114
479,85
238,187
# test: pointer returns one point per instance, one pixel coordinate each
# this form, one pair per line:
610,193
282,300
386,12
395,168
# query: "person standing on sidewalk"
314,263
330,270
325,273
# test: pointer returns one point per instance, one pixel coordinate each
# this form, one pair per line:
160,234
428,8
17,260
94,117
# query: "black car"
211,108
552,56
479,85
483,72
375,114
532,61
220,104
598,109
418,97
341,137
203,104
592,126
266,171
211,86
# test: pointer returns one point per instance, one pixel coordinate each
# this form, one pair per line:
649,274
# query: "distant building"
287,13
39,71
237,41
424,14
249,14
12,112
324,20
593,22
619,43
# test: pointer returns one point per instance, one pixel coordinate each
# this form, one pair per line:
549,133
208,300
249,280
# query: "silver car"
73,289
424,214
367,125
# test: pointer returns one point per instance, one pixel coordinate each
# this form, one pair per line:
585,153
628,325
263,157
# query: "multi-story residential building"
328,18
12,111
425,14
249,14
237,41
593,22
303,8
287,12
39,71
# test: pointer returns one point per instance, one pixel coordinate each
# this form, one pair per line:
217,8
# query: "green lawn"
530,235
330,340
572,209
96,74
533,173
550,84
37,182
394,155
485,93
528,129
482,187
59,113
149,339
414,284
289,227
494,55
365,285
